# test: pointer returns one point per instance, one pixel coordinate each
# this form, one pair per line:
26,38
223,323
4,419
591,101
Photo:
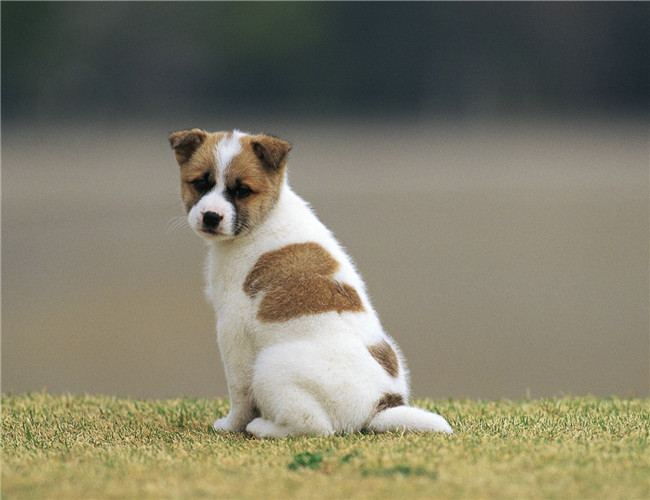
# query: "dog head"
230,181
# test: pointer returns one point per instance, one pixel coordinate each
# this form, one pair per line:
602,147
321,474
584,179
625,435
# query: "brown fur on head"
250,178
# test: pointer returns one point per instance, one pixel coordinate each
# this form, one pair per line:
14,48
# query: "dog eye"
201,185
242,192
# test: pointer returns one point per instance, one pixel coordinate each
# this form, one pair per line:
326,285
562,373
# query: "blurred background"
485,164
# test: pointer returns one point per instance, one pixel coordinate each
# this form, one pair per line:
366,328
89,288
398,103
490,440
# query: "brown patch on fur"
260,167
390,401
186,142
297,280
264,177
386,357
194,151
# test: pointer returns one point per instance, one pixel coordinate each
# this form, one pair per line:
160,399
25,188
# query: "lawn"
105,447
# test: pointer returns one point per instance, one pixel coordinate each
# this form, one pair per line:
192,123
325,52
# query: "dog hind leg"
308,425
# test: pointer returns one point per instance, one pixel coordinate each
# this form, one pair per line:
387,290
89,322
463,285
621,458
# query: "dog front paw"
226,425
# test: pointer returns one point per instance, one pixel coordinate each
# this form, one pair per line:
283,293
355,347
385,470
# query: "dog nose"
211,220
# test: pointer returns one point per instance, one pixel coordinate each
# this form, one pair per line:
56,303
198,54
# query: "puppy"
303,349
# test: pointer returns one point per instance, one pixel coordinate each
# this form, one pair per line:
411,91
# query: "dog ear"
271,150
186,142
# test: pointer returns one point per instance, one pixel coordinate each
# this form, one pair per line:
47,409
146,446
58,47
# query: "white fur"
227,148
311,375
214,201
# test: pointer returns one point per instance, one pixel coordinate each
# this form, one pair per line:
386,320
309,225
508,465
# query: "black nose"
211,220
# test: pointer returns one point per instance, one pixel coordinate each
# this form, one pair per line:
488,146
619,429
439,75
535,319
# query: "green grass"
103,447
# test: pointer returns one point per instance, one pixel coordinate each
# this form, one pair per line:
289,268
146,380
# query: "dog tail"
407,418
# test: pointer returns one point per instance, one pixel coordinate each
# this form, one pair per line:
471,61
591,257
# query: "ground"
106,447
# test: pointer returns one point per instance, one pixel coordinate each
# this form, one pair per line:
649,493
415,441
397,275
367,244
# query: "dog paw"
225,425
261,428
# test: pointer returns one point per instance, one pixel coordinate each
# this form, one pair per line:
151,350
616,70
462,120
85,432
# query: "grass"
104,447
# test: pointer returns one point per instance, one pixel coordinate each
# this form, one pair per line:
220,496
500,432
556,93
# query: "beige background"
508,259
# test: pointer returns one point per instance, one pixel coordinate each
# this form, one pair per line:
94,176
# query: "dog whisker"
177,222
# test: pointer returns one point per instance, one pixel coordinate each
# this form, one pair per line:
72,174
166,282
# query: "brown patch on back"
390,401
298,280
386,357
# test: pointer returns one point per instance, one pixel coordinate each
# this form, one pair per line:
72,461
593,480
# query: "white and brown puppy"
303,349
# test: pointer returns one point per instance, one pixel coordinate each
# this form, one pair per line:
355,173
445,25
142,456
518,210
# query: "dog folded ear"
271,150
186,142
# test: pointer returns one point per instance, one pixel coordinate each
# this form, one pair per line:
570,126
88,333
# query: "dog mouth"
210,232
